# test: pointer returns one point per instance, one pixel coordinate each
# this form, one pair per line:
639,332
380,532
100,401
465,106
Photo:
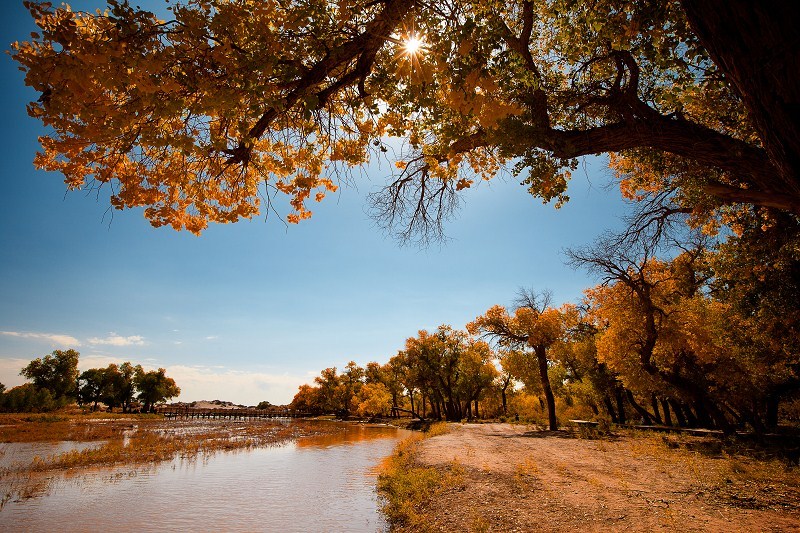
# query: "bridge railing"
180,411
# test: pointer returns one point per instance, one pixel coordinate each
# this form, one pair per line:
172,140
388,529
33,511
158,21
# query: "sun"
413,44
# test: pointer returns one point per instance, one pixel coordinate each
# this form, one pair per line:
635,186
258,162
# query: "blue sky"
249,311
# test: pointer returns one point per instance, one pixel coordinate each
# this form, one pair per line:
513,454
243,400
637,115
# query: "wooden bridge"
182,411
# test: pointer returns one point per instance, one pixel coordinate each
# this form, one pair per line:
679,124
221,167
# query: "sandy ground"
517,479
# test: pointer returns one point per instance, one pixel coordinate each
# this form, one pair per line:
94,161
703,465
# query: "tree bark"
757,47
665,408
647,418
676,408
621,405
610,408
541,359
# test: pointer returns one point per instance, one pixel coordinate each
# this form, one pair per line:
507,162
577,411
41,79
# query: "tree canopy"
56,372
209,115
154,386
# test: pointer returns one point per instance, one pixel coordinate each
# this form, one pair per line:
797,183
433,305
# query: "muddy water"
322,483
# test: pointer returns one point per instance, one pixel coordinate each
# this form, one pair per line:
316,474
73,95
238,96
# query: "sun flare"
413,45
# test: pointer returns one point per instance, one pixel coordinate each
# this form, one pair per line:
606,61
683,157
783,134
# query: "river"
323,483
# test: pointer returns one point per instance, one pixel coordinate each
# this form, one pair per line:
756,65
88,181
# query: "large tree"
197,116
531,331
56,372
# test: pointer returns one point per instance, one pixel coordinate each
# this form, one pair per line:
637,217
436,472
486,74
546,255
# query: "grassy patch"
437,428
408,488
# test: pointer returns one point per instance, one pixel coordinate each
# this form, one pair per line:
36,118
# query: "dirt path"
517,479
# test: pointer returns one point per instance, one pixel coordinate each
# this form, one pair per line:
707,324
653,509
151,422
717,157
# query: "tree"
122,384
350,383
93,386
330,391
374,399
28,398
448,367
307,400
655,326
192,118
263,405
535,326
154,386
57,373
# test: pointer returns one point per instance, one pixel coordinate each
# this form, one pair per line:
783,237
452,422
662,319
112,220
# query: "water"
322,483
17,454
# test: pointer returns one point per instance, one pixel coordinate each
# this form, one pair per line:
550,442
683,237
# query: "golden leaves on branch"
163,111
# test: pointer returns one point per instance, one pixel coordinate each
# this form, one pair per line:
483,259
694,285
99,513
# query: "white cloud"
212,337
53,338
98,361
9,371
248,388
118,340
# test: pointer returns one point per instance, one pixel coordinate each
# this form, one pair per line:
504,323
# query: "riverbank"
503,477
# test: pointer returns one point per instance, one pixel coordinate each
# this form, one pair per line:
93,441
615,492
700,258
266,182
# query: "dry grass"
437,428
146,445
408,488
21,427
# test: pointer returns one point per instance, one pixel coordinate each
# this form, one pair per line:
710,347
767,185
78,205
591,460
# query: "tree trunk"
647,418
610,408
665,408
691,420
503,394
541,359
620,406
701,413
755,45
676,408
656,415
771,415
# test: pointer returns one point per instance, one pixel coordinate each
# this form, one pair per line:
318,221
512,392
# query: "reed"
147,445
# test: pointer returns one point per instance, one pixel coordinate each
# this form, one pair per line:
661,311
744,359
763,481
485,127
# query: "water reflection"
20,454
322,483
348,434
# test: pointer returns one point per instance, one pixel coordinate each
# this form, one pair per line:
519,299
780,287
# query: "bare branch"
530,298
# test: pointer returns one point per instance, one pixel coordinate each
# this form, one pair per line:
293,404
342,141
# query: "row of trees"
118,385
698,338
442,374
56,382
